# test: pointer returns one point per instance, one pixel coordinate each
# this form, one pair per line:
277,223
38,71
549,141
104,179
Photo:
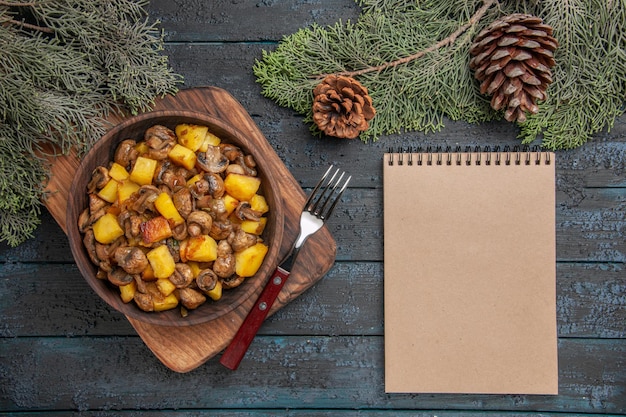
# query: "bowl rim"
171,317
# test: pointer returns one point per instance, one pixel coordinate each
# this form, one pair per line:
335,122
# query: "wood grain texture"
324,372
591,303
184,348
64,352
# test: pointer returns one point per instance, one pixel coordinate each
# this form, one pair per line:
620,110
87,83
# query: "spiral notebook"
469,272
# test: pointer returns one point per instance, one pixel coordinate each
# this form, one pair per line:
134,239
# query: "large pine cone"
512,58
342,107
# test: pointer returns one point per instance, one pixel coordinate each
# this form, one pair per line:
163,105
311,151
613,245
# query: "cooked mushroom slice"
103,252
212,160
232,282
216,208
241,160
231,151
173,180
221,229
199,223
131,224
141,284
89,240
244,212
199,188
216,185
96,203
206,280
143,199
180,232
240,240
99,178
235,169
144,301
224,265
119,277
182,276
160,141
191,298
131,259
84,221
126,153
183,201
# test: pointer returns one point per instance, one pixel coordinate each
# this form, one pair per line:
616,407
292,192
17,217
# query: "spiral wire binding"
439,156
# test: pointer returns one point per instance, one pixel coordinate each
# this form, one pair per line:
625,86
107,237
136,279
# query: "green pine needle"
64,66
587,95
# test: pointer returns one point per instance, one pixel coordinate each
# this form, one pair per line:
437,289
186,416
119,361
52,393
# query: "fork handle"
237,348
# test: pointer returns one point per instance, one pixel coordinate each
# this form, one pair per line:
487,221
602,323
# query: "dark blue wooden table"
63,351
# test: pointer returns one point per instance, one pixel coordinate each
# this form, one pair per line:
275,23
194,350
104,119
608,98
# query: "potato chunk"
191,136
143,170
165,205
202,248
106,229
161,261
241,187
182,156
248,261
155,229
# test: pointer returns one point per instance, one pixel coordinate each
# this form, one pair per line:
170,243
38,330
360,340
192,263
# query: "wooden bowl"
102,153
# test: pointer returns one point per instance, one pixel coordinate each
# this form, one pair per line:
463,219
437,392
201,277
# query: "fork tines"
325,194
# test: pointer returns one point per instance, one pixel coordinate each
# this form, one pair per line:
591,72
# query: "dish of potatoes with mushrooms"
175,218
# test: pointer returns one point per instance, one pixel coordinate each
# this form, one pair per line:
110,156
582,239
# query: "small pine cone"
512,58
342,107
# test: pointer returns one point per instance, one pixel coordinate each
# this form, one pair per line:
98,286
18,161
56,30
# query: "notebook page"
469,281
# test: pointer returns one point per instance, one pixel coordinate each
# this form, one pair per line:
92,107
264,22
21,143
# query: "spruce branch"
440,44
587,95
65,66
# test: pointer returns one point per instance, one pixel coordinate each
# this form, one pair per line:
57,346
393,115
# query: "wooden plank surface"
64,352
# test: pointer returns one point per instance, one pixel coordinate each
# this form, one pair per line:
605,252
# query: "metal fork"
317,209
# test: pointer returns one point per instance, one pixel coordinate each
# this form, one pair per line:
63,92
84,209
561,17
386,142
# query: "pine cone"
342,107
512,58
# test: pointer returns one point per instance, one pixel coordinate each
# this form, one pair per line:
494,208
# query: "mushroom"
191,298
182,276
212,160
160,141
144,301
235,169
221,229
215,206
99,178
96,203
199,188
199,223
126,153
231,151
89,240
240,240
224,265
172,178
206,280
243,161
119,277
131,223
244,212
180,232
183,201
143,199
232,282
84,220
216,185
131,259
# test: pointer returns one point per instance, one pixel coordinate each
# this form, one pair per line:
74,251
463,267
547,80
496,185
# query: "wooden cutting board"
183,349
